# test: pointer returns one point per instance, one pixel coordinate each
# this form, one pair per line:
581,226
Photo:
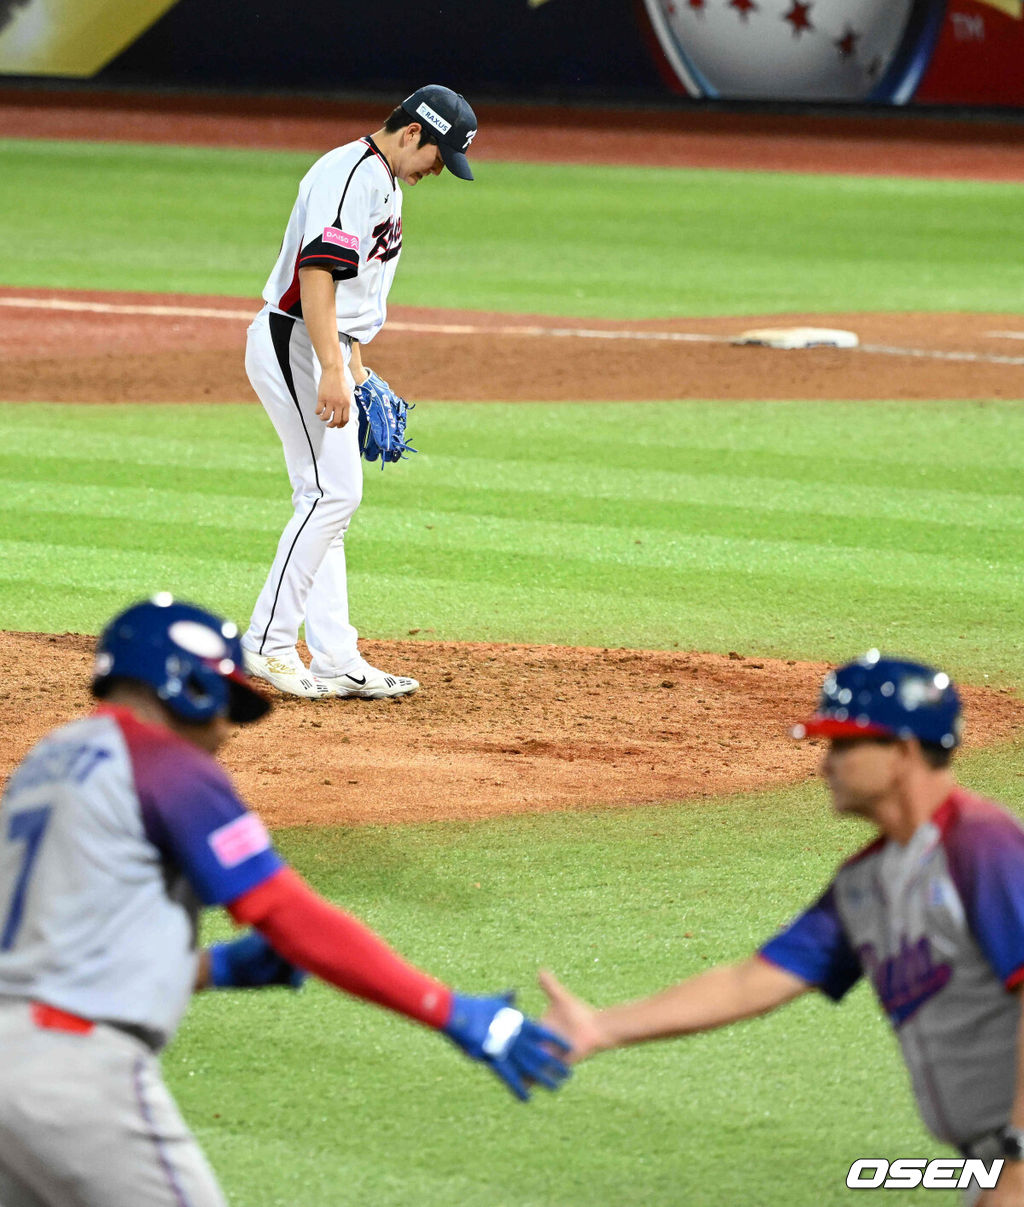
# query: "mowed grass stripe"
921,519
666,525
584,240
686,537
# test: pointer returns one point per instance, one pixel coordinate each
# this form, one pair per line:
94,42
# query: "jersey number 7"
28,827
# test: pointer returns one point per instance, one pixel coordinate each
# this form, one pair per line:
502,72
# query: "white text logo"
945,1173
435,119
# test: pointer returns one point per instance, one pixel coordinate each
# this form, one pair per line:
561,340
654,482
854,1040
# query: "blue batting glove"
250,963
492,1030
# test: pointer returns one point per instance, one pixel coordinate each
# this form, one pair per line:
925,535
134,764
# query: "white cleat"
287,674
368,683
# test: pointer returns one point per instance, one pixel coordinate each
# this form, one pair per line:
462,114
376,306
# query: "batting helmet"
191,658
878,697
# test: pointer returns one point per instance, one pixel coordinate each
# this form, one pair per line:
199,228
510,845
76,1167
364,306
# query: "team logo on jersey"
388,236
433,119
906,980
239,840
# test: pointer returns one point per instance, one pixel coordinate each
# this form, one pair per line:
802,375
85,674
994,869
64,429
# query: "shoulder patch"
239,840
341,238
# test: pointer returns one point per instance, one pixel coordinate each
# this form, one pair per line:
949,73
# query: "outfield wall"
864,52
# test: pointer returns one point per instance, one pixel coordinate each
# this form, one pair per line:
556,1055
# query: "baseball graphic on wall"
800,50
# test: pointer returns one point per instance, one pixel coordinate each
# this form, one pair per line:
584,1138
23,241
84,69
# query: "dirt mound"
495,729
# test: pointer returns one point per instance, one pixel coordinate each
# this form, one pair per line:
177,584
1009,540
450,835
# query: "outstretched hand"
572,1017
520,1051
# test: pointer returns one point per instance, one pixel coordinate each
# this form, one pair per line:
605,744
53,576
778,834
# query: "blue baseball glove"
491,1029
250,963
382,418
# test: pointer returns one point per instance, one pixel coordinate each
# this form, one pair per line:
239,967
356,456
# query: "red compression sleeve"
324,940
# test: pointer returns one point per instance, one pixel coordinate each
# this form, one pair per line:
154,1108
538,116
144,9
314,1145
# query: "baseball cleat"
368,683
286,673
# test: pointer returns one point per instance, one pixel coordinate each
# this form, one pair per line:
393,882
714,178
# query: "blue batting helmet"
191,658
878,697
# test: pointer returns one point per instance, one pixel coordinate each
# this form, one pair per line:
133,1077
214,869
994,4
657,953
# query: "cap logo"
469,138
916,692
432,118
197,639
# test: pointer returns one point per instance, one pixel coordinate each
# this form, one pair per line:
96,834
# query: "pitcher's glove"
382,416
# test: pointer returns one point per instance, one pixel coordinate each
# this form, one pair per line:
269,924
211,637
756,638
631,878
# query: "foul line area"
528,331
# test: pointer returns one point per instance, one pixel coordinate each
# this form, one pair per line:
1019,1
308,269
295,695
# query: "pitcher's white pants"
307,580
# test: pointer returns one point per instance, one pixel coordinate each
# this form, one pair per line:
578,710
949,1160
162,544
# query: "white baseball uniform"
113,835
347,219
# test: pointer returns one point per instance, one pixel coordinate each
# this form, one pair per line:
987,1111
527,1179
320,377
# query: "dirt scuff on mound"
496,729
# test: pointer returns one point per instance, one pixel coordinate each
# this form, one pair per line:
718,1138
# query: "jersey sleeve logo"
239,840
341,238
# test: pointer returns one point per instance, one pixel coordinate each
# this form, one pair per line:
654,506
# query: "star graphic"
847,44
799,17
744,7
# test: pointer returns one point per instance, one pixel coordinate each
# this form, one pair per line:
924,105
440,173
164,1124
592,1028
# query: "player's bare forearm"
202,979
711,999
356,366
334,396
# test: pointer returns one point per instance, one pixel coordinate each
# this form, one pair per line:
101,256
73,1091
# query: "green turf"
619,903
620,242
780,528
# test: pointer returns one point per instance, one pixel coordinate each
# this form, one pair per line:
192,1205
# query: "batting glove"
492,1030
250,963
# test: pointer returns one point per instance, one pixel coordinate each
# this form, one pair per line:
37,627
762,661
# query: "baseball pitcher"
326,297
115,831
931,912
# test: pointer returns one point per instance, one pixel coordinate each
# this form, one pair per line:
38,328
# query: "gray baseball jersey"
113,833
347,219
937,925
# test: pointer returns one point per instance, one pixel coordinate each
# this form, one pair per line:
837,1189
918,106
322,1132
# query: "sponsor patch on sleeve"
341,238
239,840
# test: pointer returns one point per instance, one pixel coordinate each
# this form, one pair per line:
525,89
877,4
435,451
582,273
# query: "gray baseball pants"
86,1121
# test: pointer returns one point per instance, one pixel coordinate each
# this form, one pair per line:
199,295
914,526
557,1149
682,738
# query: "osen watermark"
943,1173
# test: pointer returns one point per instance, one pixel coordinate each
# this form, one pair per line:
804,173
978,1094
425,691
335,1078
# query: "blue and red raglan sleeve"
193,816
815,948
984,848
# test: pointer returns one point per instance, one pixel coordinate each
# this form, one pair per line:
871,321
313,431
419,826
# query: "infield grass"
613,241
772,528
373,1109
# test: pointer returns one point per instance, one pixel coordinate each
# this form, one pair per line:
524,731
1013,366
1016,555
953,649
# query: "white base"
798,337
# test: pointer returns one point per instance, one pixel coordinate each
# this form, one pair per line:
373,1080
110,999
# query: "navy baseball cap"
876,697
191,658
449,118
